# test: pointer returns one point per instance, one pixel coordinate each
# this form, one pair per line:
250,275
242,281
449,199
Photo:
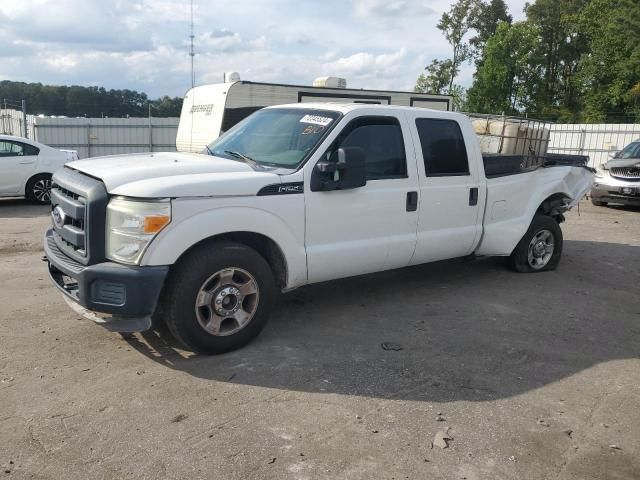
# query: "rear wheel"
38,189
219,297
540,248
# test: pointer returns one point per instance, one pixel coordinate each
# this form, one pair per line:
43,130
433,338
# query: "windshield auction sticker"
316,120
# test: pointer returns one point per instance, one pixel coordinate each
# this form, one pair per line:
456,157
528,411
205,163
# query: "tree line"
568,61
78,101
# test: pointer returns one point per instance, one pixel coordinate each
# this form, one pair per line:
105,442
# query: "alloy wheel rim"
227,301
541,248
42,190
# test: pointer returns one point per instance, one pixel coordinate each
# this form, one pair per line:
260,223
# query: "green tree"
459,95
167,107
561,47
437,78
609,75
454,24
77,101
505,80
484,19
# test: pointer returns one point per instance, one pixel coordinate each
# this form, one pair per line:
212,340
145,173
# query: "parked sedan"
26,167
618,180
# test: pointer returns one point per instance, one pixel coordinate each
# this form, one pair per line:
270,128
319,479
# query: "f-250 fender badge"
282,189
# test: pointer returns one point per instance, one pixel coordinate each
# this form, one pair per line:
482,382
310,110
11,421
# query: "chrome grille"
626,173
72,233
79,207
65,192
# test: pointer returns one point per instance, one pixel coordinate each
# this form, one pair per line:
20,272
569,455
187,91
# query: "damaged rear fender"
513,201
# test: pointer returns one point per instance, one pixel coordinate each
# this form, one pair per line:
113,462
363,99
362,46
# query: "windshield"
630,151
275,137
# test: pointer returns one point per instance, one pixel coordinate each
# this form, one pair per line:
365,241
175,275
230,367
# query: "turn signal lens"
132,225
155,223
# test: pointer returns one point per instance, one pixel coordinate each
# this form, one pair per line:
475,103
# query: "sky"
143,44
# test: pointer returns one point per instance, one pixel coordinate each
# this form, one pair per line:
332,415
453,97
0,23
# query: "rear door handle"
412,201
473,196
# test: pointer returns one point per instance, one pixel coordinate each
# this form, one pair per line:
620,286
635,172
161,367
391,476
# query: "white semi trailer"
210,110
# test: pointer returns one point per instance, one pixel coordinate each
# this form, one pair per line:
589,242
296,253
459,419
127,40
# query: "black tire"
520,260
597,203
192,273
38,189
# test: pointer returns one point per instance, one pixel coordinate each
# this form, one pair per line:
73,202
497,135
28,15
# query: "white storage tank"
511,136
330,82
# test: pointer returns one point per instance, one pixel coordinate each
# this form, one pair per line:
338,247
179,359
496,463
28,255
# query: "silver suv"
618,180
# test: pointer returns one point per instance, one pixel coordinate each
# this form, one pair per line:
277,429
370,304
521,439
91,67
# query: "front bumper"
121,297
610,190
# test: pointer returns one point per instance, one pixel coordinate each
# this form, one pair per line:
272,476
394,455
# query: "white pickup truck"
292,195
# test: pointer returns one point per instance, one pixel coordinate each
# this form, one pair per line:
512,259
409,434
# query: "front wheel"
219,297
540,248
38,189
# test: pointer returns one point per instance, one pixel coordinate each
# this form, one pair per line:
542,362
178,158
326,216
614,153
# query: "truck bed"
501,165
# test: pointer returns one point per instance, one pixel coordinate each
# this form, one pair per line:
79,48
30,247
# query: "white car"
26,168
293,195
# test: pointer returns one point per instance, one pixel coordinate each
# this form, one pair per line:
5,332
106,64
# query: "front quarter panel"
278,217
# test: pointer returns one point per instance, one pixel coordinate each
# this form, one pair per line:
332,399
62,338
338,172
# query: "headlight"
601,171
131,225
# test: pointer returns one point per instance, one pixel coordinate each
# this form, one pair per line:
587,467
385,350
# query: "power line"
191,51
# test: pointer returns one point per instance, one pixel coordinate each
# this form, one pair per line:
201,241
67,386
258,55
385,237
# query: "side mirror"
345,169
614,154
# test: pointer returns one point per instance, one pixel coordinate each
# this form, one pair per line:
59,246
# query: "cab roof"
345,108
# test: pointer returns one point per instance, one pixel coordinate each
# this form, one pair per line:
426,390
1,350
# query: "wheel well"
265,246
554,206
26,184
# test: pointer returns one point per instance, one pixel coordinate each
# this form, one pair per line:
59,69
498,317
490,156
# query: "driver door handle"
473,196
412,201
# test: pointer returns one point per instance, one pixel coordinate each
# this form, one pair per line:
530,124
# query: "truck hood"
172,174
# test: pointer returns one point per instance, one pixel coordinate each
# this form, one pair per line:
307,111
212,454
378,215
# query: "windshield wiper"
242,156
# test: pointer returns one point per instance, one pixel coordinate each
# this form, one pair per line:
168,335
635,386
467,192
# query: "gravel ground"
533,376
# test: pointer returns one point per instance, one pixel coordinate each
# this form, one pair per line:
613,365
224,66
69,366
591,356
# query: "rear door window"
29,150
443,148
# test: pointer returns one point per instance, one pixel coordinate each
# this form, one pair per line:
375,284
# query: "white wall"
93,137
109,136
595,140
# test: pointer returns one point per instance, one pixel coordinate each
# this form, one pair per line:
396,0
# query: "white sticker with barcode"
316,120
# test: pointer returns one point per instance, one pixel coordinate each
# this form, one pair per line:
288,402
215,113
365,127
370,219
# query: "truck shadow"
467,331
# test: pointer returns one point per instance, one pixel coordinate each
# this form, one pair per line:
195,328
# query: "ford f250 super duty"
292,195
